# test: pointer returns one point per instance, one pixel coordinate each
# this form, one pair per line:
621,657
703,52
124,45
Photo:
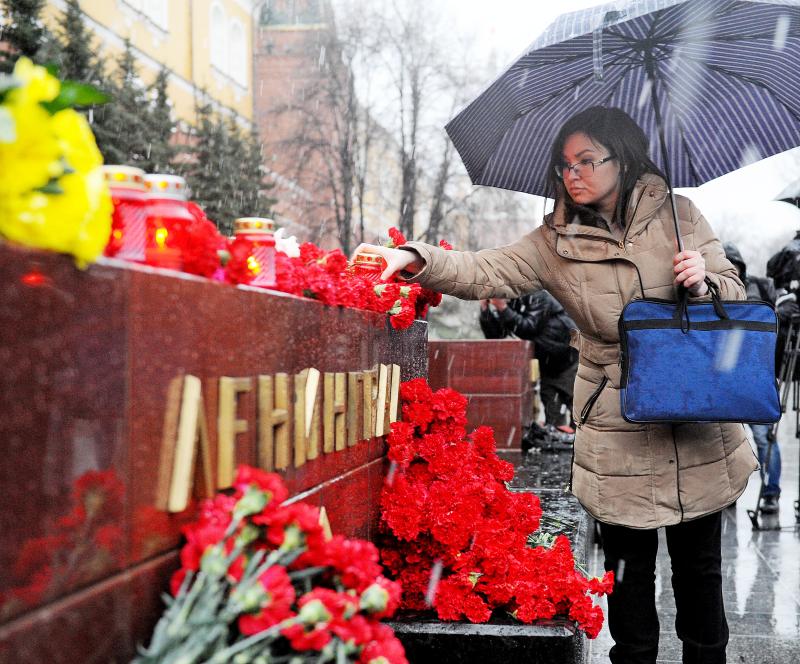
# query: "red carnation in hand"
396,238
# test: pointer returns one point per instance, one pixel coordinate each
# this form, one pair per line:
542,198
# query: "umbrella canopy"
724,76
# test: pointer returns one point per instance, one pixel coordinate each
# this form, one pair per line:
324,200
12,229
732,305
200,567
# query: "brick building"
291,38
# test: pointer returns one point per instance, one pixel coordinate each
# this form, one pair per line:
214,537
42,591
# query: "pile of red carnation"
326,276
425,298
318,274
261,581
450,515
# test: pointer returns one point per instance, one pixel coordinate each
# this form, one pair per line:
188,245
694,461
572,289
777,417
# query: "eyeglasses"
581,168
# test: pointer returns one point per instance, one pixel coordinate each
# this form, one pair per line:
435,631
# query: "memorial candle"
167,212
129,221
369,266
260,232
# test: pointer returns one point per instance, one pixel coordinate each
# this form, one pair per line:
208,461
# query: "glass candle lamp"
129,221
367,265
167,214
261,262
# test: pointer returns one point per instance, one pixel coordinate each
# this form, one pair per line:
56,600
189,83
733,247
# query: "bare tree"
413,55
330,140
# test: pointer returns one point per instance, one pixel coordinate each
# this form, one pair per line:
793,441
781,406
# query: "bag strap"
682,310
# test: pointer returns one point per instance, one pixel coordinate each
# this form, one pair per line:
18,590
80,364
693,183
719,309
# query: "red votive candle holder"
168,215
368,265
129,221
261,262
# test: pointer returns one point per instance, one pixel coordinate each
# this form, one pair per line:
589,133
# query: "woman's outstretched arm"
506,272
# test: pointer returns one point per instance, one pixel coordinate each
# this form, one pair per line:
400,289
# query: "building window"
219,39
156,11
291,12
238,53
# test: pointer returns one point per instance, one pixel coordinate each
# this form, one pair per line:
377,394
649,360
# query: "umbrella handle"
675,216
651,76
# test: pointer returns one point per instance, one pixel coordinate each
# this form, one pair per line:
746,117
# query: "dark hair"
625,140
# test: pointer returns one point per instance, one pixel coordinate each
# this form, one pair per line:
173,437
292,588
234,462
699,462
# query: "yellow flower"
37,84
29,153
76,141
37,148
77,221
33,155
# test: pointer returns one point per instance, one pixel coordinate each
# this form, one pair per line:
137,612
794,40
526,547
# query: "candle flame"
253,265
161,237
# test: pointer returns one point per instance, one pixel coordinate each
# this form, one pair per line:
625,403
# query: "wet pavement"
761,578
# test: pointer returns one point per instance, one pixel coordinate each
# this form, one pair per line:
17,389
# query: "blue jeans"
773,483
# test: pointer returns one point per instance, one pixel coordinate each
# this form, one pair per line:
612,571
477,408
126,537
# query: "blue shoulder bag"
699,362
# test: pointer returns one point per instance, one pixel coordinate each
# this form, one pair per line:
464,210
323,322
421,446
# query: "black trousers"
695,553
556,390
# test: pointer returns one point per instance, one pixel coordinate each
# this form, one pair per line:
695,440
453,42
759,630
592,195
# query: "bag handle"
682,310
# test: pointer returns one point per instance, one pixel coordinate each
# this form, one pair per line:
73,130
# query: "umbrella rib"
676,31
621,76
623,37
569,59
559,92
732,38
678,124
657,16
757,83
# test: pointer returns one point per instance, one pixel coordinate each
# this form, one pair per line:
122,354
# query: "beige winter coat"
637,475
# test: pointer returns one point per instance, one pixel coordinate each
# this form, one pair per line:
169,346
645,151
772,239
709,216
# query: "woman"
609,240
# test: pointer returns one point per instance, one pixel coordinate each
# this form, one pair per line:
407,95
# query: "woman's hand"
690,271
396,259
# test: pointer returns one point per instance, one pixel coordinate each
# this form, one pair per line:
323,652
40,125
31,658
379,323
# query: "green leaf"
75,94
8,128
51,187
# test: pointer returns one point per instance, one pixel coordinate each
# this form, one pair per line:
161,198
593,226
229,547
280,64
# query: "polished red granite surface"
88,358
494,374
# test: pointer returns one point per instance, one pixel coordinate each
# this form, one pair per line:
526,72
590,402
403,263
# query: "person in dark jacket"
784,267
761,288
539,317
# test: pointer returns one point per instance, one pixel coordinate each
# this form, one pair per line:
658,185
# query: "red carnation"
397,239
269,482
383,645
277,604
